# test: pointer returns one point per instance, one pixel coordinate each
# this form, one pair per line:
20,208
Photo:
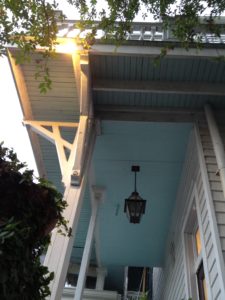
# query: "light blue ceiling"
188,69
159,149
142,68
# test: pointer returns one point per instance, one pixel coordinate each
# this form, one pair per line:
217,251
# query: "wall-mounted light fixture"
134,206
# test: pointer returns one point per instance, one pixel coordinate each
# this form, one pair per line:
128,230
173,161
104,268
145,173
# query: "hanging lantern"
134,206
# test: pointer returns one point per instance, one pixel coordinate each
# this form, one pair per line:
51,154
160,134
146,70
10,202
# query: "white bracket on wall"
71,167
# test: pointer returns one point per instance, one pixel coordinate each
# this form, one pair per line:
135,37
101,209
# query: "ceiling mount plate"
135,168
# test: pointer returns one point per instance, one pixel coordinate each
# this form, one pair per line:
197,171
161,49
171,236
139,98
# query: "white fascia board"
154,51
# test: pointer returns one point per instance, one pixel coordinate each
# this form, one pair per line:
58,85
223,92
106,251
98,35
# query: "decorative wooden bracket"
71,167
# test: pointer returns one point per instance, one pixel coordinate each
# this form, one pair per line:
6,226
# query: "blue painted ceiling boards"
159,149
188,70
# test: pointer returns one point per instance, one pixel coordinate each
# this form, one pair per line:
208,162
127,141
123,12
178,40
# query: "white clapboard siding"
209,160
172,280
214,178
210,263
171,283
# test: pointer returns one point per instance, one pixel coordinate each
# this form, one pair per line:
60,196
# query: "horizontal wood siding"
172,282
214,178
215,188
219,200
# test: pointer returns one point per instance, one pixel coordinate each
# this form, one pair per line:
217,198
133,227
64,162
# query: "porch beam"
85,86
86,116
146,114
79,152
162,87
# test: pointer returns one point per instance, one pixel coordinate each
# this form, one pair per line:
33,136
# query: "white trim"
101,274
211,214
86,108
59,251
202,255
73,167
217,142
194,200
96,200
91,183
76,160
185,242
50,123
152,51
54,136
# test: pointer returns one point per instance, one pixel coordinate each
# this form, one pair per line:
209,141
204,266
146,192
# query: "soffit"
193,72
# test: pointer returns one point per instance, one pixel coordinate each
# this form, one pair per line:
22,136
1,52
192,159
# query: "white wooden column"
125,284
59,251
101,274
97,199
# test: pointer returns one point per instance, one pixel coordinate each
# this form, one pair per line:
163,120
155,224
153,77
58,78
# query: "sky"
12,131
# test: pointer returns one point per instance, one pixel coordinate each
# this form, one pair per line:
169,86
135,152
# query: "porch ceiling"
159,149
121,82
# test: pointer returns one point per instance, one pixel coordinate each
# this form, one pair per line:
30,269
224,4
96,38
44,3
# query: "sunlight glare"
68,46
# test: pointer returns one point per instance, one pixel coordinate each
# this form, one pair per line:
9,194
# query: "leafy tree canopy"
186,16
38,19
33,18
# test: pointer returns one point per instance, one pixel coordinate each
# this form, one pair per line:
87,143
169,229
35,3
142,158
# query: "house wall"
214,178
201,185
